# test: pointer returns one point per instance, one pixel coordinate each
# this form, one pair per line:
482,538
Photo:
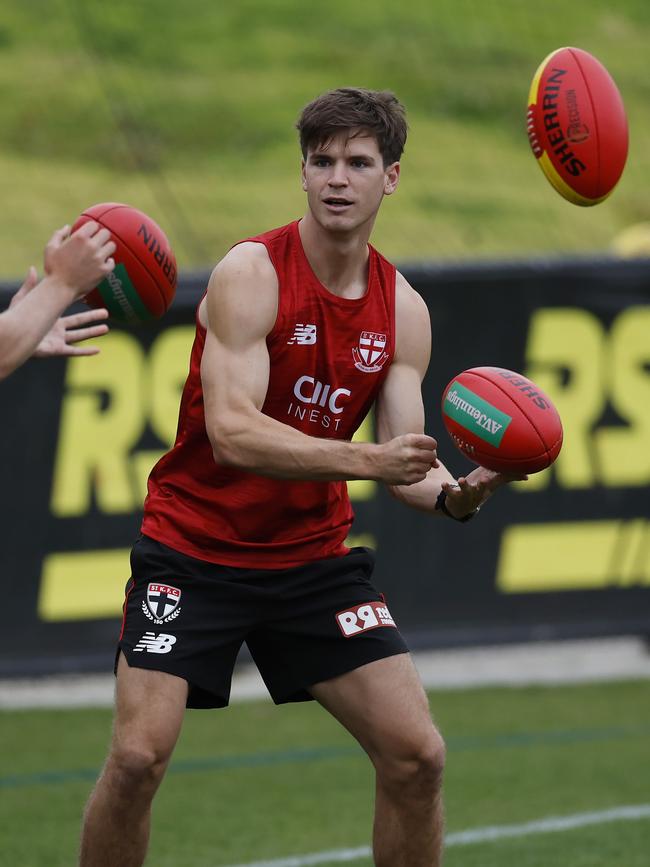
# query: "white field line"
475,835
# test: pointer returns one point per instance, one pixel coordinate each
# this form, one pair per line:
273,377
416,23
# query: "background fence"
566,554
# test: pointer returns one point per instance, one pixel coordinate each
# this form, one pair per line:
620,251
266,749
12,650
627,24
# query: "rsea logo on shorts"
361,618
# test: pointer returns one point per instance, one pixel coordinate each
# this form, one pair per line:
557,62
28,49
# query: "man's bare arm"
399,407
400,410
74,265
239,312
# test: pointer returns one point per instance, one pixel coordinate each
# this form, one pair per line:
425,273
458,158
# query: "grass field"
187,111
257,782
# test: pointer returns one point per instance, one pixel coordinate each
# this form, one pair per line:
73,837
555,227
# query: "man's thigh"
383,704
185,617
149,709
323,619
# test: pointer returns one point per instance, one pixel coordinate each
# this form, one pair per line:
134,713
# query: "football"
577,127
143,284
501,420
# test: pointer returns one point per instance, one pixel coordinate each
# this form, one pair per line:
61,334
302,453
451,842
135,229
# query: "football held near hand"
501,420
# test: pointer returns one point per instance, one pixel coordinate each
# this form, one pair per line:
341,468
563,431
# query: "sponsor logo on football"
120,295
152,643
475,414
361,618
303,335
370,354
161,605
576,131
482,420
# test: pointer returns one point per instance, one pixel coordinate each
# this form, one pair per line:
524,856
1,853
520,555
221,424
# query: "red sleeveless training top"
329,357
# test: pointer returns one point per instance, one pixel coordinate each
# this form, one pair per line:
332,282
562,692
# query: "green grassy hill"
187,111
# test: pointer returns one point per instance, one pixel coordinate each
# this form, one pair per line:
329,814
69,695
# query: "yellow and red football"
577,126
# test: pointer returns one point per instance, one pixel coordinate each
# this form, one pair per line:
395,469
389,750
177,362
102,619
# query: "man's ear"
302,175
391,178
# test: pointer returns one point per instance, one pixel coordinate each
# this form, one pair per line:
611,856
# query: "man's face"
345,181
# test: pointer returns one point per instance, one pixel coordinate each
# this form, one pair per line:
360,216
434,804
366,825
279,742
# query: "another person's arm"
400,410
239,311
74,264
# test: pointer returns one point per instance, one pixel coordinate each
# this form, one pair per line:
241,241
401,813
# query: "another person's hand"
473,490
80,260
30,281
67,330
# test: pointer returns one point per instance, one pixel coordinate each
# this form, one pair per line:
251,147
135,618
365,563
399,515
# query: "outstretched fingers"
77,327
80,334
75,320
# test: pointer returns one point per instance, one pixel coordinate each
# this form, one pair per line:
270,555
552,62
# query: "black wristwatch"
442,506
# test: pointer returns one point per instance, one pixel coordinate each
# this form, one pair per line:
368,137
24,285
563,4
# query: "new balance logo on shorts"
152,643
361,618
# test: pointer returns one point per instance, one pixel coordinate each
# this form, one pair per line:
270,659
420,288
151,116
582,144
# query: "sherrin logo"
526,387
557,140
160,253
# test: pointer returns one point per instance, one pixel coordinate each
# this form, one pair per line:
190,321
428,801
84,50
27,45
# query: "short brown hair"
348,108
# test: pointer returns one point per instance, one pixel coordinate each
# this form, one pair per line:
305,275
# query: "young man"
73,264
301,331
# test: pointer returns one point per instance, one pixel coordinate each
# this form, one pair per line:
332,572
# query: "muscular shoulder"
408,303
243,289
248,260
412,325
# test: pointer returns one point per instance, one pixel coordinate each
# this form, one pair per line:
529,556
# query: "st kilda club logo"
370,355
162,603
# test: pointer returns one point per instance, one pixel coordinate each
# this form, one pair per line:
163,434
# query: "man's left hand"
68,330
473,490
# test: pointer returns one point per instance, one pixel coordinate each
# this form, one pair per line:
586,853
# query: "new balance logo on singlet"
304,335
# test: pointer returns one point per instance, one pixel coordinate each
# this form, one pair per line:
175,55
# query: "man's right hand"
406,460
81,260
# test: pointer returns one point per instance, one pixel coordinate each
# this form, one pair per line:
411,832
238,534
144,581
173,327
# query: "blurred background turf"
186,110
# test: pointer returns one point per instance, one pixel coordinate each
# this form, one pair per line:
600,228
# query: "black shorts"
302,625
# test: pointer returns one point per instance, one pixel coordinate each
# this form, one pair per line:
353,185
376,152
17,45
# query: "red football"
577,126
501,420
143,284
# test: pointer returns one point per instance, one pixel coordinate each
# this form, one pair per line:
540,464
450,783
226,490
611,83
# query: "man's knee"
414,764
136,766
